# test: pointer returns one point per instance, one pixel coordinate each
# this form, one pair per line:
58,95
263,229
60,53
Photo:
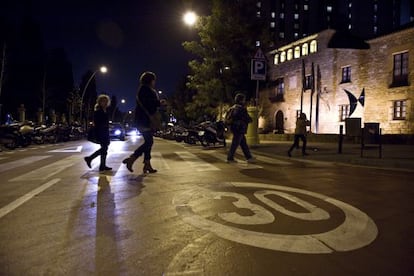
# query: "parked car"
116,131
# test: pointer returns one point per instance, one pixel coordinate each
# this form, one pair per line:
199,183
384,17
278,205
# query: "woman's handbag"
155,119
92,136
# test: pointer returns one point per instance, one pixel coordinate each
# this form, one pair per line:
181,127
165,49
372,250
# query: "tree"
89,98
227,42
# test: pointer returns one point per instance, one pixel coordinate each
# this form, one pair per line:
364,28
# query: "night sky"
127,36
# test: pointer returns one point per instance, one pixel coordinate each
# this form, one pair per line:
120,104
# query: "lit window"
282,35
272,24
258,14
273,14
283,57
280,87
276,59
296,16
289,54
350,5
257,43
346,74
343,112
329,8
313,46
349,26
296,35
305,7
350,16
259,4
375,29
305,49
282,15
297,52
400,71
400,110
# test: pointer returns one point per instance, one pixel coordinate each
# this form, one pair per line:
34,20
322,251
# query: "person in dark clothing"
147,106
300,133
238,119
101,123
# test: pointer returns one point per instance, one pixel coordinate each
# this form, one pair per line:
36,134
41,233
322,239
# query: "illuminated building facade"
372,80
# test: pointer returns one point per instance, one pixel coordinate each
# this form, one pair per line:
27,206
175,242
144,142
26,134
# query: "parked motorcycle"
212,133
16,135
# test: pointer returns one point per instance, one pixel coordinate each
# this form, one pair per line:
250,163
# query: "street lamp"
190,18
115,107
103,70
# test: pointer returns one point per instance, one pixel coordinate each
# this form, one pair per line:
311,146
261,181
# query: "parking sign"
258,66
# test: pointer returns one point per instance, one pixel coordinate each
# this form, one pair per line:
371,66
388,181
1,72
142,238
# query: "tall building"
289,20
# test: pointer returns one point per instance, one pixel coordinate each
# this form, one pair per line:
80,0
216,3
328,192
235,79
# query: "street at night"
199,215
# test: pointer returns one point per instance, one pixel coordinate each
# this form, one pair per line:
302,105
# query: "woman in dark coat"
101,123
147,105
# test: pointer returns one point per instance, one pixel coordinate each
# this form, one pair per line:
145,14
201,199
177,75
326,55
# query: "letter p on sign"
258,69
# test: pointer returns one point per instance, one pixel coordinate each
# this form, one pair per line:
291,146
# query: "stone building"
372,80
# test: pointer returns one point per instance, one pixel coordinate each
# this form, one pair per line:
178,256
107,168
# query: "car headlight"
118,132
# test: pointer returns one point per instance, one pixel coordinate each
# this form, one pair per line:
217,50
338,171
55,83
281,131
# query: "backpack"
228,120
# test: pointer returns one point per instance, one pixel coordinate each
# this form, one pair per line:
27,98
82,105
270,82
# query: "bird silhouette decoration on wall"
353,101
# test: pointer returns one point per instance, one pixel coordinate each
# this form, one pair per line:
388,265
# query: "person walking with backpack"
101,125
238,119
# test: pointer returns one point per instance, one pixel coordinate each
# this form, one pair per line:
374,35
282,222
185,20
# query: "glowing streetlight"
190,18
103,70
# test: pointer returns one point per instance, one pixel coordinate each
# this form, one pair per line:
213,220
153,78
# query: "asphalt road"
199,215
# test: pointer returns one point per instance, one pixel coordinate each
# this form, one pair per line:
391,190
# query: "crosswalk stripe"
68,149
10,207
241,164
21,162
159,162
196,163
46,172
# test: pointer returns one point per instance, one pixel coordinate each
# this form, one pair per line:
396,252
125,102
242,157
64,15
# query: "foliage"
227,42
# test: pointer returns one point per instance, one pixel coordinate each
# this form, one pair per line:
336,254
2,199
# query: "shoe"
251,160
105,168
231,161
148,168
129,162
289,154
88,161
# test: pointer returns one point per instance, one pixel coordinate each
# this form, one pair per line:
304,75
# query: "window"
272,24
296,35
273,14
343,112
400,72
282,15
279,91
282,35
276,59
329,8
308,82
296,26
305,7
313,46
283,57
296,16
349,26
346,74
400,110
297,52
289,54
305,49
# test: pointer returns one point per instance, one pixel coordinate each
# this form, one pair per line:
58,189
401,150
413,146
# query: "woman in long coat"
101,123
147,105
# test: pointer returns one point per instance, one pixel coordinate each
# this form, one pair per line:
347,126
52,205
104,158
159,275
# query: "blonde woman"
101,123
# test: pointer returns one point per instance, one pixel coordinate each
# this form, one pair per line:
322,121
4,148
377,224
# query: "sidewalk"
399,157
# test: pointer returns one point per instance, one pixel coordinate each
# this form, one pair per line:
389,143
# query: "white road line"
240,164
70,149
196,163
21,162
46,172
10,207
159,162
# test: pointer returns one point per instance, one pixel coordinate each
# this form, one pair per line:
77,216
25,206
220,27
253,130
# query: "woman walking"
300,133
146,107
101,123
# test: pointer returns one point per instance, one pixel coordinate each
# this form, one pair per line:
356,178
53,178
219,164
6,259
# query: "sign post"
258,73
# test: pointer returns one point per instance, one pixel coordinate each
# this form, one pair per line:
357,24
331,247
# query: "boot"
129,162
88,161
148,168
103,166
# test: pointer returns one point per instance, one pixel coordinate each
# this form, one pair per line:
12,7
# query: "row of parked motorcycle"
207,134
23,134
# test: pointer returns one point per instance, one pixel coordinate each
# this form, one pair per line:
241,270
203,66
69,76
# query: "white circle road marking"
357,230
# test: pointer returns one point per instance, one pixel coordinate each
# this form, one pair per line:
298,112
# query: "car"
116,131
132,131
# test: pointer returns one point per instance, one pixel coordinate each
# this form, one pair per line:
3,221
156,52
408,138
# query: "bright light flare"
190,18
103,69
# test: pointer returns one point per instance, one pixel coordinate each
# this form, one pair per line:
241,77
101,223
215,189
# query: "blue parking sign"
258,69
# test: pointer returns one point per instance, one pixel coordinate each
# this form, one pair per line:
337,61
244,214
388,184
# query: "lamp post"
103,70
